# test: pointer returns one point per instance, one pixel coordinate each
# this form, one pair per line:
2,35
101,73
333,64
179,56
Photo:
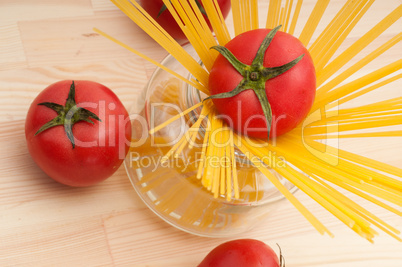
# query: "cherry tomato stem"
263,83
68,115
256,75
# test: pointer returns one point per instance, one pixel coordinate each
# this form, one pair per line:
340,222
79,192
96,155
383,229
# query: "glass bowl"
170,188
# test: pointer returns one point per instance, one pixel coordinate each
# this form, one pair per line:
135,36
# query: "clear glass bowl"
170,189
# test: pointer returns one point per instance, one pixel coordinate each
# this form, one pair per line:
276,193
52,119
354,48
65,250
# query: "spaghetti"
316,173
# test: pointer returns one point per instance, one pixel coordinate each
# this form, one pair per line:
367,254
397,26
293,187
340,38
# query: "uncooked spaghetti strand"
360,64
217,21
364,213
380,111
176,117
359,125
357,229
218,156
296,179
322,197
317,164
381,166
336,43
304,160
189,23
337,176
295,17
383,226
363,91
288,10
237,20
358,117
227,162
274,180
310,165
369,175
360,44
324,98
335,127
312,22
222,155
369,89
195,28
136,13
206,35
359,135
189,138
234,165
282,14
217,141
184,139
139,16
244,8
357,165
192,132
223,24
278,12
363,195
383,108
246,15
203,151
224,162
364,161
386,117
273,10
198,86
207,178
300,147
229,156
357,208
326,47
331,29
346,116
392,104
254,14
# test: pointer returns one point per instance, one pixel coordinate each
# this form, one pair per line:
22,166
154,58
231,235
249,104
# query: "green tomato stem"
255,75
67,115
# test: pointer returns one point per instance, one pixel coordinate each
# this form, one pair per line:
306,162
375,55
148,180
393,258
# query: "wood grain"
43,223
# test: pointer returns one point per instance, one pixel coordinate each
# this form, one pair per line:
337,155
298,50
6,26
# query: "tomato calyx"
255,75
68,115
164,8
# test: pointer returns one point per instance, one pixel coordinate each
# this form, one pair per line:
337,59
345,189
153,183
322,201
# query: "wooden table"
43,223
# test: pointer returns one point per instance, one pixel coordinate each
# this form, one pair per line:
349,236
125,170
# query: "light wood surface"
43,223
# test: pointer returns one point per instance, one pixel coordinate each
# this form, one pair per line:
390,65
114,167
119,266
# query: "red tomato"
166,20
95,149
290,94
241,253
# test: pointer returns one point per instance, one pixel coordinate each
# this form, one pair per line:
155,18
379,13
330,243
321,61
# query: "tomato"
282,83
85,146
166,20
242,253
